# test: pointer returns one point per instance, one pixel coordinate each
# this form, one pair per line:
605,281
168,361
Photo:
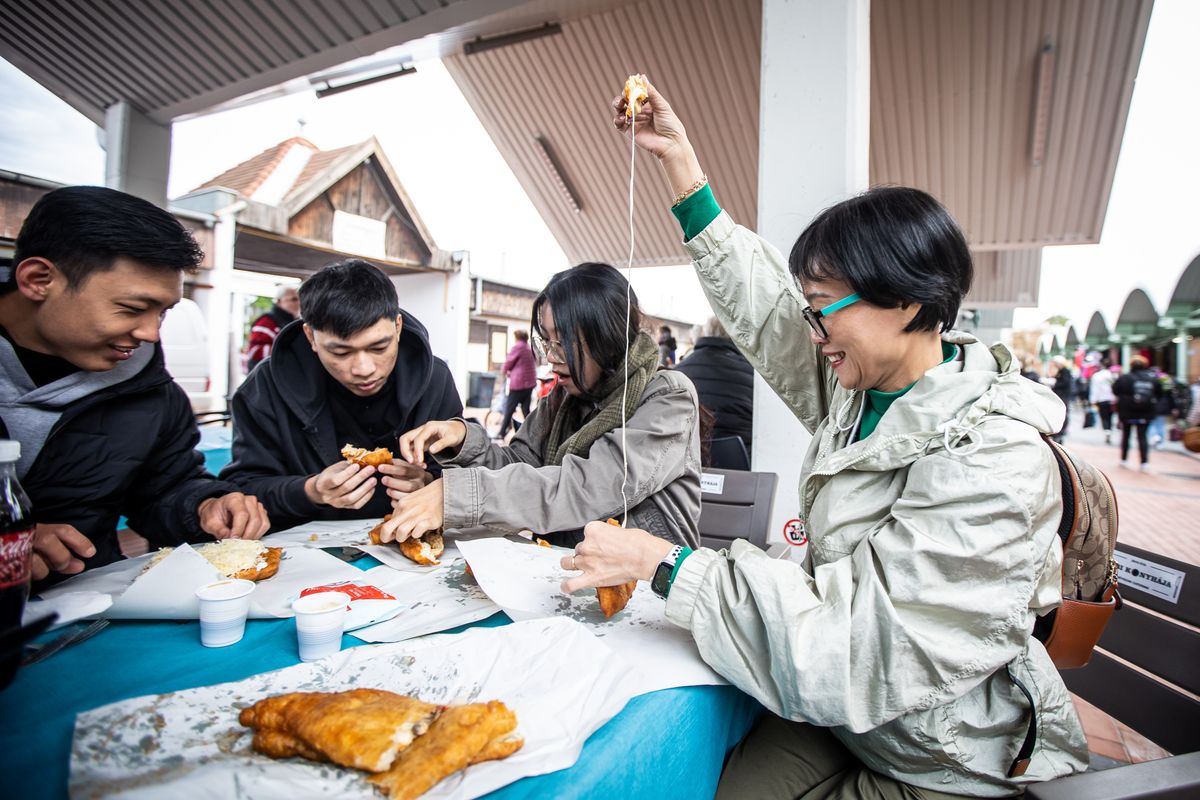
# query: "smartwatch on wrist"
661,582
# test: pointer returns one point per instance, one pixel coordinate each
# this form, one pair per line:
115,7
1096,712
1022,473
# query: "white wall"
441,301
813,139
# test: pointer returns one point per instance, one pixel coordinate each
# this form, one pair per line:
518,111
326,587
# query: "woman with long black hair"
567,463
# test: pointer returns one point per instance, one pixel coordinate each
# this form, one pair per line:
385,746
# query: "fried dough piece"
424,550
281,745
374,534
614,598
459,738
636,93
272,557
542,542
367,458
499,748
360,728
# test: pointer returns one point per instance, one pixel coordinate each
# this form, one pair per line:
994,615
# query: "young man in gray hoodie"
104,430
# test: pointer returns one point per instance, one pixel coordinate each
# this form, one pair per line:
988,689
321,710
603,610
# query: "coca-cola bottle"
16,551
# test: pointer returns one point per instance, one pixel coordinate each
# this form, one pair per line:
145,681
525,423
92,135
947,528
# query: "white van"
184,338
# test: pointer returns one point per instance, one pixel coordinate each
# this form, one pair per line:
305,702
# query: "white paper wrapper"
325,533
69,607
562,682
524,580
168,590
438,601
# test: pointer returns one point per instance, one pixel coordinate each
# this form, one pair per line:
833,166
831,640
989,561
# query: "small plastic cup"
320,619
224,605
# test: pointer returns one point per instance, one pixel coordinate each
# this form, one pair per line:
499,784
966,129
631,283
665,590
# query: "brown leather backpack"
1088,530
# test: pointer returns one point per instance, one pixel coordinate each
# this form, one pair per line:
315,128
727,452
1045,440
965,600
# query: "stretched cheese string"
628,314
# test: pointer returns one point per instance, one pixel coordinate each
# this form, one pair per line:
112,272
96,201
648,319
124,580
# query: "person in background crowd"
1193,412
1164,409
356,370
1029,373
1064,387
666,347
521,370
724,381
887,659
1100,394
104,431
267,327
1137,393
613,407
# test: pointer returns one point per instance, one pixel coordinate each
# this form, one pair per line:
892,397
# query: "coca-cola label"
16,550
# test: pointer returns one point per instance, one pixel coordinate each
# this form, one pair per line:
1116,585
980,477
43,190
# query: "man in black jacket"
1137,393
356,370
104,431
724,382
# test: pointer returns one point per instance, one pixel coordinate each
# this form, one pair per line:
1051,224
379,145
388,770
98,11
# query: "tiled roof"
247,176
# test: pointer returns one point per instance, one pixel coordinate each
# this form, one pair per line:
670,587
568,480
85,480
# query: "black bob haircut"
347,297
83,230
588,303
894,246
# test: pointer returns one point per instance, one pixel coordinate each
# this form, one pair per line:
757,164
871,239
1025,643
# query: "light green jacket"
933,546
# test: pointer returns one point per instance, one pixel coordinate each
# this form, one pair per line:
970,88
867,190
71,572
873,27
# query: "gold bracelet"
691,190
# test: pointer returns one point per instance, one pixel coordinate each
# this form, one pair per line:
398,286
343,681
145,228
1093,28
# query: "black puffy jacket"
724,382
283,428
125,450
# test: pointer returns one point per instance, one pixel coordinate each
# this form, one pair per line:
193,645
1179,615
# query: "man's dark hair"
894,246
588,303
347,297
84,229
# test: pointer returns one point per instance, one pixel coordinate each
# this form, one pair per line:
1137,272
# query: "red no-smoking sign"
793,532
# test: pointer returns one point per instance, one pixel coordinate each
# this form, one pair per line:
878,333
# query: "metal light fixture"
479,44
328,89
1043,91
554,166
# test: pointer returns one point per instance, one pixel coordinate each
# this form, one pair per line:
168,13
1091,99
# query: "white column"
137,153
1126,354
1181,355
442,303
813,148
223,338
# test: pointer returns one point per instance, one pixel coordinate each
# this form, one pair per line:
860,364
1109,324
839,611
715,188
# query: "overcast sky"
470,200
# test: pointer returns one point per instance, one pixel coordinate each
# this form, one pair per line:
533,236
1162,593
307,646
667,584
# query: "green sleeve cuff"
696,211
684,553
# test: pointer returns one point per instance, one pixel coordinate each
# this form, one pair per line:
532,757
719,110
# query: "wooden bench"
1145,673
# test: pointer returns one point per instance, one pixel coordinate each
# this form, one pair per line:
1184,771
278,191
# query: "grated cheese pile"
229,556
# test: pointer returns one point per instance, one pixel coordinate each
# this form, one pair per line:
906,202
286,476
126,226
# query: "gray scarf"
29,412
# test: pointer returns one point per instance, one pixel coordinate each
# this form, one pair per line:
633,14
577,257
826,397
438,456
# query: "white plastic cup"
320,619
224,606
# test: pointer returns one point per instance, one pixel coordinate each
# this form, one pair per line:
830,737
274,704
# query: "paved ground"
1160,509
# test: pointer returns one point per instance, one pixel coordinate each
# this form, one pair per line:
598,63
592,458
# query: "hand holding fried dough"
658,131
341,485
612,556
415,513
432,437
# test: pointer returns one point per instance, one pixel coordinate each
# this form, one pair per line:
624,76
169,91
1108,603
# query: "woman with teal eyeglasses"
898,660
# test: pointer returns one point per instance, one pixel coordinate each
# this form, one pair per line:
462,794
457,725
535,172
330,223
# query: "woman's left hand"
415,514
611,556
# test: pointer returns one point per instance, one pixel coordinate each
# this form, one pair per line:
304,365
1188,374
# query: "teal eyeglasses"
813,317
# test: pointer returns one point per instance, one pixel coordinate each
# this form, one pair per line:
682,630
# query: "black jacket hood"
298,375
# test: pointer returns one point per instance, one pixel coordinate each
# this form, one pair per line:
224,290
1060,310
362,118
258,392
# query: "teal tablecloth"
668,744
